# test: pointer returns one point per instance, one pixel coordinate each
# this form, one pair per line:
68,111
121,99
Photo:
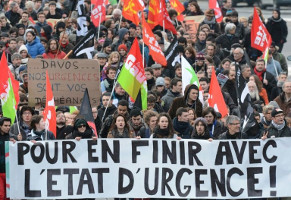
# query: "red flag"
150,40
216,99
5,74
31,20
98,14
179,7
49,113
213,4
86,111
260,37
158,15
131,9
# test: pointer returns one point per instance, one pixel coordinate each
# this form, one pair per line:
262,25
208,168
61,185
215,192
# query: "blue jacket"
35,48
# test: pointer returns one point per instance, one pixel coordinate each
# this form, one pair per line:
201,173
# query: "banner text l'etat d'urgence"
148,168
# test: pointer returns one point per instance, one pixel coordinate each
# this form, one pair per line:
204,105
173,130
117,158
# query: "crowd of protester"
171,112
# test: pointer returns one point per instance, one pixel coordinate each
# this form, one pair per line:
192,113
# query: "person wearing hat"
107,46
278,56
60,27
278,127
5,37
102,58
24,54
199,64
210,21
122,50
24,122
278,29
81,130
190,99
132,33
160,86
157,69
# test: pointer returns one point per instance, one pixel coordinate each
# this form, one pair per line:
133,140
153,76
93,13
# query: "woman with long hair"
190,55
262,91
164,127
120,128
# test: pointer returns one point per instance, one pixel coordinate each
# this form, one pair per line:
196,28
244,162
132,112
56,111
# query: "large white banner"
150,169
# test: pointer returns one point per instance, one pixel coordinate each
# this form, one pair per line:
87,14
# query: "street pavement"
246,11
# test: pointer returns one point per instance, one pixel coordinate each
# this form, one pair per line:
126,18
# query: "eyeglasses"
235,124
81,126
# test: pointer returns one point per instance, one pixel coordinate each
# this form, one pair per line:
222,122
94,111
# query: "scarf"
175,93
43,35
212,21
279,127
260,74
116,134
64,45
276,19
161,133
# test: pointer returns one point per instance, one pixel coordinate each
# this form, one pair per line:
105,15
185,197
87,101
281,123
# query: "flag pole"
99,28
17,121
164,25
114,85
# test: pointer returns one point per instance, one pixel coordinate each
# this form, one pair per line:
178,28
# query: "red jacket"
51,55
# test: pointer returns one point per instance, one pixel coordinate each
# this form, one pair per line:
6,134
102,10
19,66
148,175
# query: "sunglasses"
81,126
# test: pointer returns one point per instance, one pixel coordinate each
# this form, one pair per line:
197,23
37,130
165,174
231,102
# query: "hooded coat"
277,29
35,48
121,35
182,102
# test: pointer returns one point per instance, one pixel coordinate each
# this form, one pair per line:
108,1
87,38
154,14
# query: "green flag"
113,2
8,103
132,74
188,74
144,95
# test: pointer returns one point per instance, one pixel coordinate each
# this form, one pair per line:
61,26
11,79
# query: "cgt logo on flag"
134,67
261,37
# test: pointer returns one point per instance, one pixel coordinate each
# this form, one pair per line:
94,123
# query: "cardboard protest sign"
192,24
149,168
69,79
